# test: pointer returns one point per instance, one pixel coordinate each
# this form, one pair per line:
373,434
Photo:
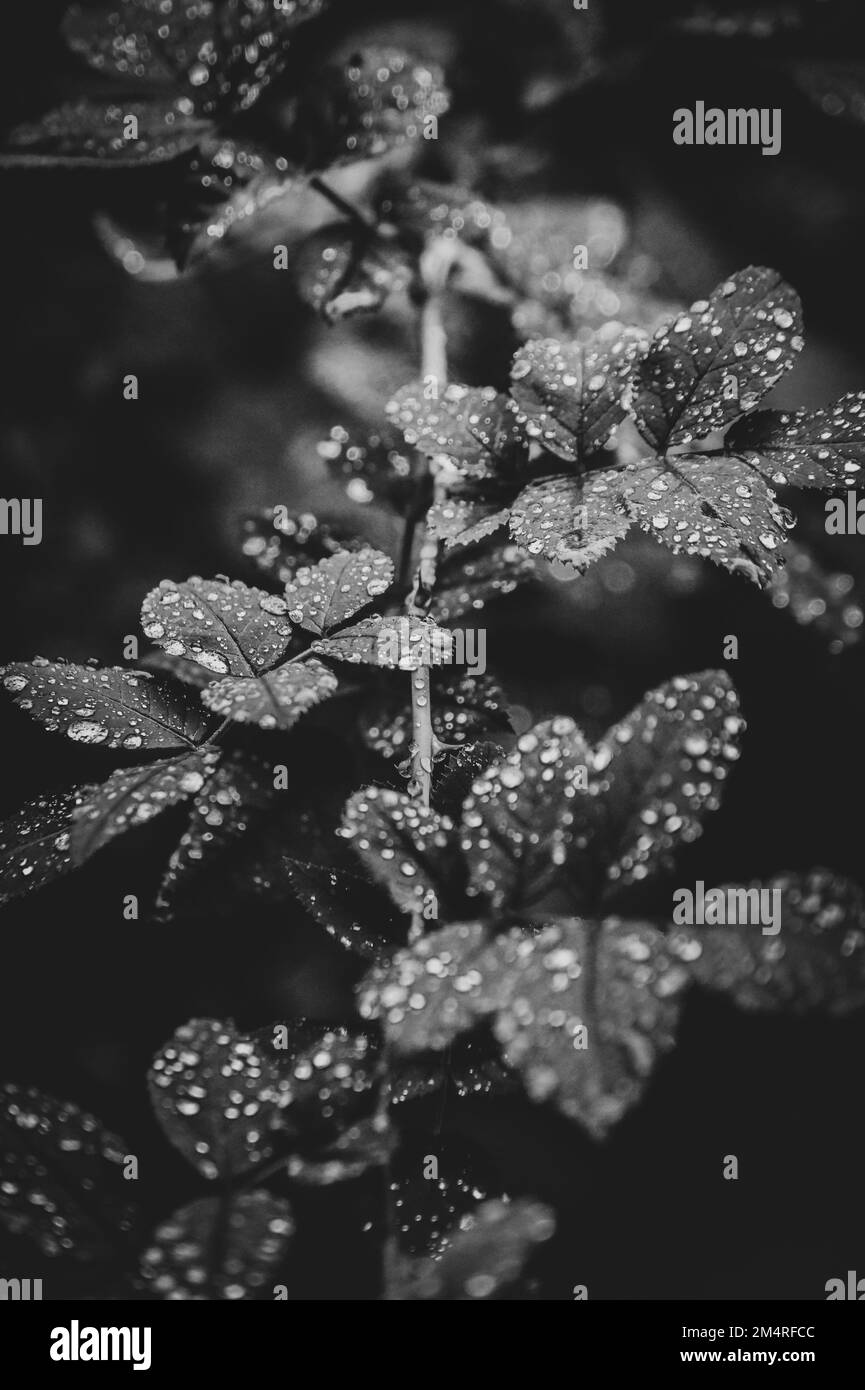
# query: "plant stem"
362,219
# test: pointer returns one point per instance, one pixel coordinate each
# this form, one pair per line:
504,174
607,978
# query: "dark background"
238,382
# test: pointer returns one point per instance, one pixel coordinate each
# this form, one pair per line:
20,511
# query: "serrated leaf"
35,842
524,812
237,792
717,360
406,847
397,643
327,595
463,520
231,629
61,1177
133,796
108,707
569,396
276,700
470,426
86,132
342,902
581,1009
717,507
454,774
570,520
216,1093
220,1248
805,448
661,769
485,1257
812,957
368,106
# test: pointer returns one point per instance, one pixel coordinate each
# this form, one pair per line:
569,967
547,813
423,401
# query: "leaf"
463,521
470,426
133,796
812,958
421,208
454,775
717,507
570,520
109,707
235,795
86,132
231,629
717,360
485,1257
343,903
61,1177
216,1093
660,770
280,542
569,396
581,1009
380,468
403,643
523,813
35,841
805,448
467,583
326,596
406,847
368,106
220,1248
276,700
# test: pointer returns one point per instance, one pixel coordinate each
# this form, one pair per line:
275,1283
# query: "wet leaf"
276,700
220,1248
660,770
718,359
455,773
133,796
61,1178
352,910
421,208
406,847
469,426
87,132
464,520
327,595
370,105
216,1093
813,956
235,795
467,583
106,707
485,1258
523,814
35,842
717,507
229,628
398,643
570,520
805,448
581,1009
568,397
